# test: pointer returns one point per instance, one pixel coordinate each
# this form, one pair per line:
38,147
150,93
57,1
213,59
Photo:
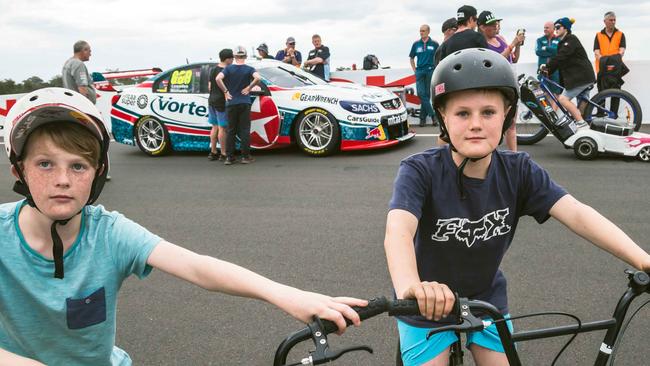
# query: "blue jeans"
423,88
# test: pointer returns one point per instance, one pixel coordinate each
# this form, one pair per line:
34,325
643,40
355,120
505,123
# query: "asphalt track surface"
318,224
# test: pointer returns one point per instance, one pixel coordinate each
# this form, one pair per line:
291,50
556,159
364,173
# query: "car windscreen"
289,77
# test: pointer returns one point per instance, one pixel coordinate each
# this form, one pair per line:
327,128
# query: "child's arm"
217,275
591,225
434,299
11,359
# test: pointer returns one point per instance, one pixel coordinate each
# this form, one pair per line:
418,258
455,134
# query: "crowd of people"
559,52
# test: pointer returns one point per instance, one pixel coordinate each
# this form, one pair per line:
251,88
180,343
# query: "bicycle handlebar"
319,329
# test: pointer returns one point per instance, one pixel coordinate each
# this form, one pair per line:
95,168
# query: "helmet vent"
487,63
67,93
457,67
33,98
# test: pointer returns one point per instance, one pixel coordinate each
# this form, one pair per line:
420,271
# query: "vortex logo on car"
359,107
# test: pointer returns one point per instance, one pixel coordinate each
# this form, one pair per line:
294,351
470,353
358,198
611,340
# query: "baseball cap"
449,24
487,18
291,40
465,12
240,51
263,47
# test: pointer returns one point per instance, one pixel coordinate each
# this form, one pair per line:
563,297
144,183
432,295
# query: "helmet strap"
57,248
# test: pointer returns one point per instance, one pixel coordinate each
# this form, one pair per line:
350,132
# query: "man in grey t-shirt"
75,74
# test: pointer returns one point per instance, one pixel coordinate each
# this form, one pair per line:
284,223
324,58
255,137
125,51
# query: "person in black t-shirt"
465,36
318,58
217,108
455,209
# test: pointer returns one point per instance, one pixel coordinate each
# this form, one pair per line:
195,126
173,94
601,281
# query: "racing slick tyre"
529,129
644,154
628,111
152,136
585,148
317,132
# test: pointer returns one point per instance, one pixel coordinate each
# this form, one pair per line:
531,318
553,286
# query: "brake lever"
323,354
467,321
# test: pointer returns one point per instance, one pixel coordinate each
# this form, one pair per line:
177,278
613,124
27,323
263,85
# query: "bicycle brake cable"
551,313
623,329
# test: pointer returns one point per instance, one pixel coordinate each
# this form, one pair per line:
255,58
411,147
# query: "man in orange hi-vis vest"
609,41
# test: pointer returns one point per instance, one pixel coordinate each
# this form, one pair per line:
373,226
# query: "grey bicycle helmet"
474,68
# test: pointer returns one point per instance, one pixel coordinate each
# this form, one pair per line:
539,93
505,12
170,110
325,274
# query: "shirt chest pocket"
87,311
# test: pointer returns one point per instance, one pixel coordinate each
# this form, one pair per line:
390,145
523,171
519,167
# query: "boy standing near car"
217,108
236,81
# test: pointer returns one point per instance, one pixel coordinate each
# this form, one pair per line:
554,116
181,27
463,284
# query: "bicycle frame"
580,99
638,284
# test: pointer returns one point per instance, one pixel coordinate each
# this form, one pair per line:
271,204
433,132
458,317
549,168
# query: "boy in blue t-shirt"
58,149
455,209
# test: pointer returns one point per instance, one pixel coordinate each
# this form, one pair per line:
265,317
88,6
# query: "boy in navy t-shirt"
236,82
455,209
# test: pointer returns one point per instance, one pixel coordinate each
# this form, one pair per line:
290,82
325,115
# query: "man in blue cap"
576,73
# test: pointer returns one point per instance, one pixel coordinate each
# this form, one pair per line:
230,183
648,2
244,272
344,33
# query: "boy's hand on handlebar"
303,305
434,299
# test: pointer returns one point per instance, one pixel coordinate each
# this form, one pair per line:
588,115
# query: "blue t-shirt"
461,242
69,321
424,52
236,78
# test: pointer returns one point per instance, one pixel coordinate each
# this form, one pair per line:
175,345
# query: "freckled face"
59,181
474,120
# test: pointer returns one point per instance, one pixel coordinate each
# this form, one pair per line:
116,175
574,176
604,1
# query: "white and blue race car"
170,111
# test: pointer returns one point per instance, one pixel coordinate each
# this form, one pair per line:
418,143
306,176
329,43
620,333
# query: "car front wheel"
317,132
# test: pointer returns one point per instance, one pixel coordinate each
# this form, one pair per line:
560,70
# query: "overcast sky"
37,36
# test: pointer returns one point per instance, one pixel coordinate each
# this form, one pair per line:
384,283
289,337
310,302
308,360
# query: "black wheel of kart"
585,148
644,154
623,104
529,129
152,136
317,132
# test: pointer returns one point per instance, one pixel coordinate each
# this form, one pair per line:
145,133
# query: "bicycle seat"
610,127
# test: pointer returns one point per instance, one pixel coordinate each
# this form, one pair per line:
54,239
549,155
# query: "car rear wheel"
317,132
152,136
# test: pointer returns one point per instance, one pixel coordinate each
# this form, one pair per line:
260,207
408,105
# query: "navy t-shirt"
461,242
236,78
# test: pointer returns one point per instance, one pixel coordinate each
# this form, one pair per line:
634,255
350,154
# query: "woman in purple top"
489,27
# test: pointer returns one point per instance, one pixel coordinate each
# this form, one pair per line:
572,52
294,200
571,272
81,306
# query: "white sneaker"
581,124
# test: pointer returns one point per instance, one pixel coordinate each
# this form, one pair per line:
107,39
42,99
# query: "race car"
170,111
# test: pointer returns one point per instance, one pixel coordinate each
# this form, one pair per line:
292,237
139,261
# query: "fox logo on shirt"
468,232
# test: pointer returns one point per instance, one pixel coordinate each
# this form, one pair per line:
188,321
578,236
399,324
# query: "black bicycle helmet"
474,68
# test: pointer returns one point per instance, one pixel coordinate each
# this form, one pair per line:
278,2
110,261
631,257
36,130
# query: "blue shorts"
578,90
217,118
416,349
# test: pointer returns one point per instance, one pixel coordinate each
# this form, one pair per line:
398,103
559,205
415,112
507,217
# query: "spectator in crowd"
289,54
263,52
546,48
489,24
576,73
610,40
75,75
236,82
465,35
217,108
448,28
424,50
318,58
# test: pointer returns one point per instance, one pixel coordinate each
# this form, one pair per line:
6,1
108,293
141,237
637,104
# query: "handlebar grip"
375,307
403,307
